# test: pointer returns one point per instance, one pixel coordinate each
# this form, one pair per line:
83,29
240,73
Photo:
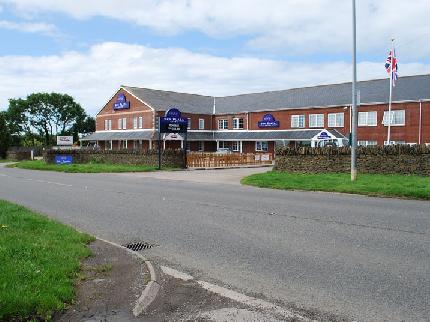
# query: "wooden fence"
215,160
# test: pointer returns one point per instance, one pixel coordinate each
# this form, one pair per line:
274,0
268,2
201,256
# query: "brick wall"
400,159
170,158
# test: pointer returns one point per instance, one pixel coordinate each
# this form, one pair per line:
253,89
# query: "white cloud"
40,28
299,26
93,76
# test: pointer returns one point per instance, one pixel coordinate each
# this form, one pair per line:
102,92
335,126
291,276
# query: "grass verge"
415,187
40,259
82,168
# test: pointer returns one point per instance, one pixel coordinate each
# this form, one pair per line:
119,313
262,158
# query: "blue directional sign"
173,122
63,159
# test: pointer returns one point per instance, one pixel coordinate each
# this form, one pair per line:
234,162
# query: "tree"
47,114
83,126
4,136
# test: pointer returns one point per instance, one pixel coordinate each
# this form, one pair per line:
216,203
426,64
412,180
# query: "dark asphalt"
364,258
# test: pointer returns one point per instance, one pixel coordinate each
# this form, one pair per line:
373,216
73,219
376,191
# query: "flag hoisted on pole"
392,69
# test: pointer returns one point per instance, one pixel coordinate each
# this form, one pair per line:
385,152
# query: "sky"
88,49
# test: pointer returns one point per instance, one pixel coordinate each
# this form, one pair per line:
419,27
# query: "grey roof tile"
409,88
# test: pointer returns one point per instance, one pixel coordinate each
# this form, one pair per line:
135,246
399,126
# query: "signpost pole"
159,144
185,149
354,97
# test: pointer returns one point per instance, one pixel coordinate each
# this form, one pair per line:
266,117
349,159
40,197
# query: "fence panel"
218,160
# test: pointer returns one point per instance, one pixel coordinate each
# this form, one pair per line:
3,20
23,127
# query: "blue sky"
88,49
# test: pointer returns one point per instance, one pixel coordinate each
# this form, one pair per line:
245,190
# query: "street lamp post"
354,96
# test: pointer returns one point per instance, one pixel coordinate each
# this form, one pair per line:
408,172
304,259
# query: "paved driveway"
216,176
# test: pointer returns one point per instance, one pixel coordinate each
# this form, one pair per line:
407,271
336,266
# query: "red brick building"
257,122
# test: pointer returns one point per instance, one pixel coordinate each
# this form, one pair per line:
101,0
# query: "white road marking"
176,274
235,296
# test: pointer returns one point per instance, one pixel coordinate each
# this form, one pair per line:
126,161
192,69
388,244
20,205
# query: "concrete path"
351,256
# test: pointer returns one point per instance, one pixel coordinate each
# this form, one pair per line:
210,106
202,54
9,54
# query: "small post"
159,144
185,149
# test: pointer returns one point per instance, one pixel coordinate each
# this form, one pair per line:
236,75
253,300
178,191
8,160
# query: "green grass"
405,186
82,168
5,160
39,261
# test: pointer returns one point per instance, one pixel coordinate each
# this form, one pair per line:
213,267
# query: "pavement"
319,254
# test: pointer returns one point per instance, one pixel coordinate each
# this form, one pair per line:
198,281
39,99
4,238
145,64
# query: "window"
297,121
108,125
201,124
335,119
119,124
261,146
395,142
140,122
134,122
223,145
222,124
316,120
367,118
235,146
124,124
189,123
201,146
237,123
367,143
397,118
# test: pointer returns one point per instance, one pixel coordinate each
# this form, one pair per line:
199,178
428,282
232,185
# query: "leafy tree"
4,136
83,126
47,114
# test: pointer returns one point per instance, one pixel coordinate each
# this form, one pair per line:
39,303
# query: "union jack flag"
391,66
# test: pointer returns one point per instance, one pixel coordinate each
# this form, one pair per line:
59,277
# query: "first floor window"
316,120
140,122
297,121
237,123
335,119
201,124
261,146
189,123
134,122
108,125
201,146
367,118
397,117
222,124
235,146
124,124
119,124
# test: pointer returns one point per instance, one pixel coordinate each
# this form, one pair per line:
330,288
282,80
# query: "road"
352,256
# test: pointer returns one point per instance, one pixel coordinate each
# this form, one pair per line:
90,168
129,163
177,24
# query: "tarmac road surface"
353,256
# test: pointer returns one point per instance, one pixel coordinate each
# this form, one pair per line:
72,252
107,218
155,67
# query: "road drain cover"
138,246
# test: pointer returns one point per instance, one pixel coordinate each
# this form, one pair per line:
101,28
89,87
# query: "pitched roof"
408,88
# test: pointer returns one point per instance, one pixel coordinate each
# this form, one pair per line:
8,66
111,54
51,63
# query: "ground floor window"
223,145
261,146
235,146
395,142
201,146
366,143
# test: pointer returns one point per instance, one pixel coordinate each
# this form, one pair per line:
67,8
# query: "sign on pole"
64,140
172,122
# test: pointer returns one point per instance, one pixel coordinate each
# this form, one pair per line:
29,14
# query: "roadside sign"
64,140
173,122
63,159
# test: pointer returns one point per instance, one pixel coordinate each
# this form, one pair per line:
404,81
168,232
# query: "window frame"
140,122
264,146
298,117
336,116
201,124
393,113
317,118
237,123
367,113
224,123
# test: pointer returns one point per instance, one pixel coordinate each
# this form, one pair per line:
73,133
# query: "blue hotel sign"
268,121
121,103
63,159
173,122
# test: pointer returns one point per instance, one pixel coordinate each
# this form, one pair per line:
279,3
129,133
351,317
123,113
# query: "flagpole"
354,97
391,92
